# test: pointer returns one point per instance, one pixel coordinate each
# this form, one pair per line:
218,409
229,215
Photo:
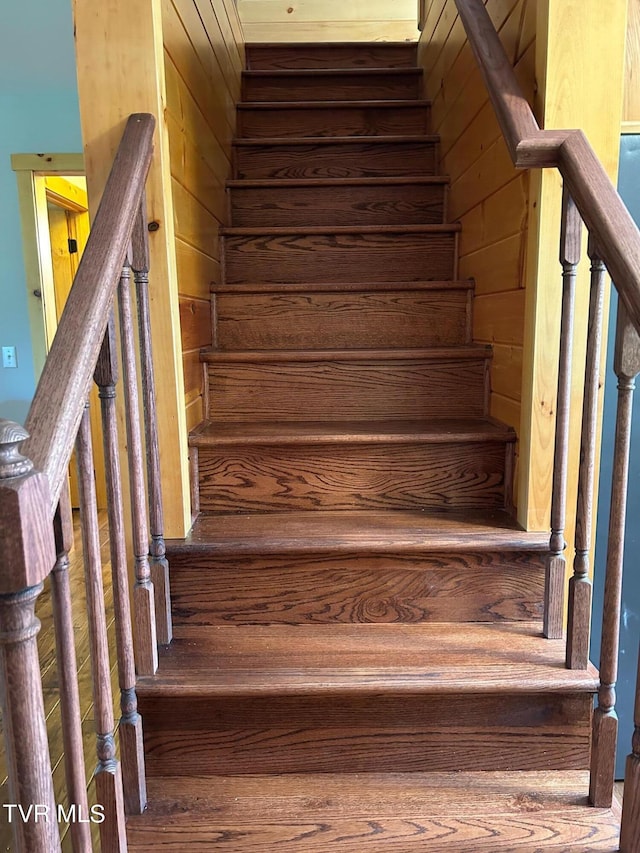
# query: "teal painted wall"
38,112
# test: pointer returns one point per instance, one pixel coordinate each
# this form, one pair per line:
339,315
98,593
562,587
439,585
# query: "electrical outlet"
9,357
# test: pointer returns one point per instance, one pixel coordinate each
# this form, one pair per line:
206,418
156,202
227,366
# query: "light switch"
9,357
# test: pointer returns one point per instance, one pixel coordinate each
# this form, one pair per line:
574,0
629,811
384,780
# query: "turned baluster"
159,563
630,830
68,674
28,554
580,588
570,243
130,728
108,774
143,593
605,720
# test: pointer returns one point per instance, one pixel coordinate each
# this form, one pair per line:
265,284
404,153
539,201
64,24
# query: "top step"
263,57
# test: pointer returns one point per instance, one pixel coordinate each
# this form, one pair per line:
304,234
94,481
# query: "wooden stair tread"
430,658
294,73
270,141
330,286
282,230
463,812
466,351
435,431
381,103
363,530
392,180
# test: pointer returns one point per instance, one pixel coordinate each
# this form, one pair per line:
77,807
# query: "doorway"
55,228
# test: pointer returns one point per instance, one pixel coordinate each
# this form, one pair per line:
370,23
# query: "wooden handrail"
56,410
603,211
614,240
512,108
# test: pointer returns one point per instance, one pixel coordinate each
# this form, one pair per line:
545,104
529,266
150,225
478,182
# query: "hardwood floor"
46,648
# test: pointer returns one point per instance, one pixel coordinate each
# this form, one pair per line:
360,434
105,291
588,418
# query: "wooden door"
68,233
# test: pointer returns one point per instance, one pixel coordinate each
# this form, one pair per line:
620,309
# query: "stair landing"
375,813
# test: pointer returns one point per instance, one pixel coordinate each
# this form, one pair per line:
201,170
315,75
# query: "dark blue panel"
629,188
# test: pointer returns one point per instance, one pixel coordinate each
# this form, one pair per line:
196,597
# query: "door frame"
31,171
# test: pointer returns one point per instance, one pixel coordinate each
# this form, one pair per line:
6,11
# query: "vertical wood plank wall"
329,20
120,71
204,57
488,196
631,111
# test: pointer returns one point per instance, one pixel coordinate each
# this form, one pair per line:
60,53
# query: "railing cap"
12,462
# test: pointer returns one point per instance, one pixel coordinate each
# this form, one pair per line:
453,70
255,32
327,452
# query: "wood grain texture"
466,812
400,202
335,84
369,388
395,254
275,57
23,718
345,533
329,566
67,666
333,158
107,776
343,475
352,320
631,111
203,62
366,735
130,731
496,658
330,118
487,194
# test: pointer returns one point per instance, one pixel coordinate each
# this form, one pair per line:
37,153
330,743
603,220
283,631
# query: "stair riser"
273,321
417,204
344,477
281,57
337,121
319,87
336,160
345,588
311,258
192,736
339,391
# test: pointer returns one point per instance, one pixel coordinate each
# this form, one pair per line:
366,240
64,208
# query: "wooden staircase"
357,615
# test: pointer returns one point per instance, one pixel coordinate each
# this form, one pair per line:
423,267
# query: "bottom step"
464,812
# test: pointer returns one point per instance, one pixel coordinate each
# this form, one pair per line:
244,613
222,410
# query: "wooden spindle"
27,556
159,562
70,712
630,830
605,720
570,246
130,727
143,594
108,774
580,588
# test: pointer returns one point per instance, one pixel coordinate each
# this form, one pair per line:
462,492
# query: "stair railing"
36,533
589,197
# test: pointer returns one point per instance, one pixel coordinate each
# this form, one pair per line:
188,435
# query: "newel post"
28,556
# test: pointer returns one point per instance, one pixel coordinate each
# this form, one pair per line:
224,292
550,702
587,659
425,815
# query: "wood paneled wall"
204,57
488,196
329,20
631,112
